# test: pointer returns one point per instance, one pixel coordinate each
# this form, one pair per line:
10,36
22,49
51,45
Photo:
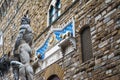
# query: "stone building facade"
73,39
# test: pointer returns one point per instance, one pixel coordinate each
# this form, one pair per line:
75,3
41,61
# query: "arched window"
86,44
54,10
53,77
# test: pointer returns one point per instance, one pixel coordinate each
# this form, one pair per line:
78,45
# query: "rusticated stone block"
103,44
111,55
91,64
108,1
117,52
116,77
100,15
110,66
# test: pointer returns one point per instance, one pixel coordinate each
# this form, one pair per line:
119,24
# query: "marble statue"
22,52
25,69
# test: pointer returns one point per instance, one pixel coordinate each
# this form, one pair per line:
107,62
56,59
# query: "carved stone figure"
25,30
25,69
22,52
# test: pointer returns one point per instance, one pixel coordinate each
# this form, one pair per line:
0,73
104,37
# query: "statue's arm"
22,31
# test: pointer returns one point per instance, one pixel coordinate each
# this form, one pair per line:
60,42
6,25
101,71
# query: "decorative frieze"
56,36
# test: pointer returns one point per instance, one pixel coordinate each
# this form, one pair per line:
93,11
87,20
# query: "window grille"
86,44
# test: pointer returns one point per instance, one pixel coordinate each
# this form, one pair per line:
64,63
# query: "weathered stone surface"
106,19
111,55
103,13
108,71
110,22
103,44
97,18
100,15
108,1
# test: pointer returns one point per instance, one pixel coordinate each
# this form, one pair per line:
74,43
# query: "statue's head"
25,20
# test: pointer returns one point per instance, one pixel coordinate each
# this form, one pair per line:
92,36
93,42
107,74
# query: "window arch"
54,10
86,44
53,77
